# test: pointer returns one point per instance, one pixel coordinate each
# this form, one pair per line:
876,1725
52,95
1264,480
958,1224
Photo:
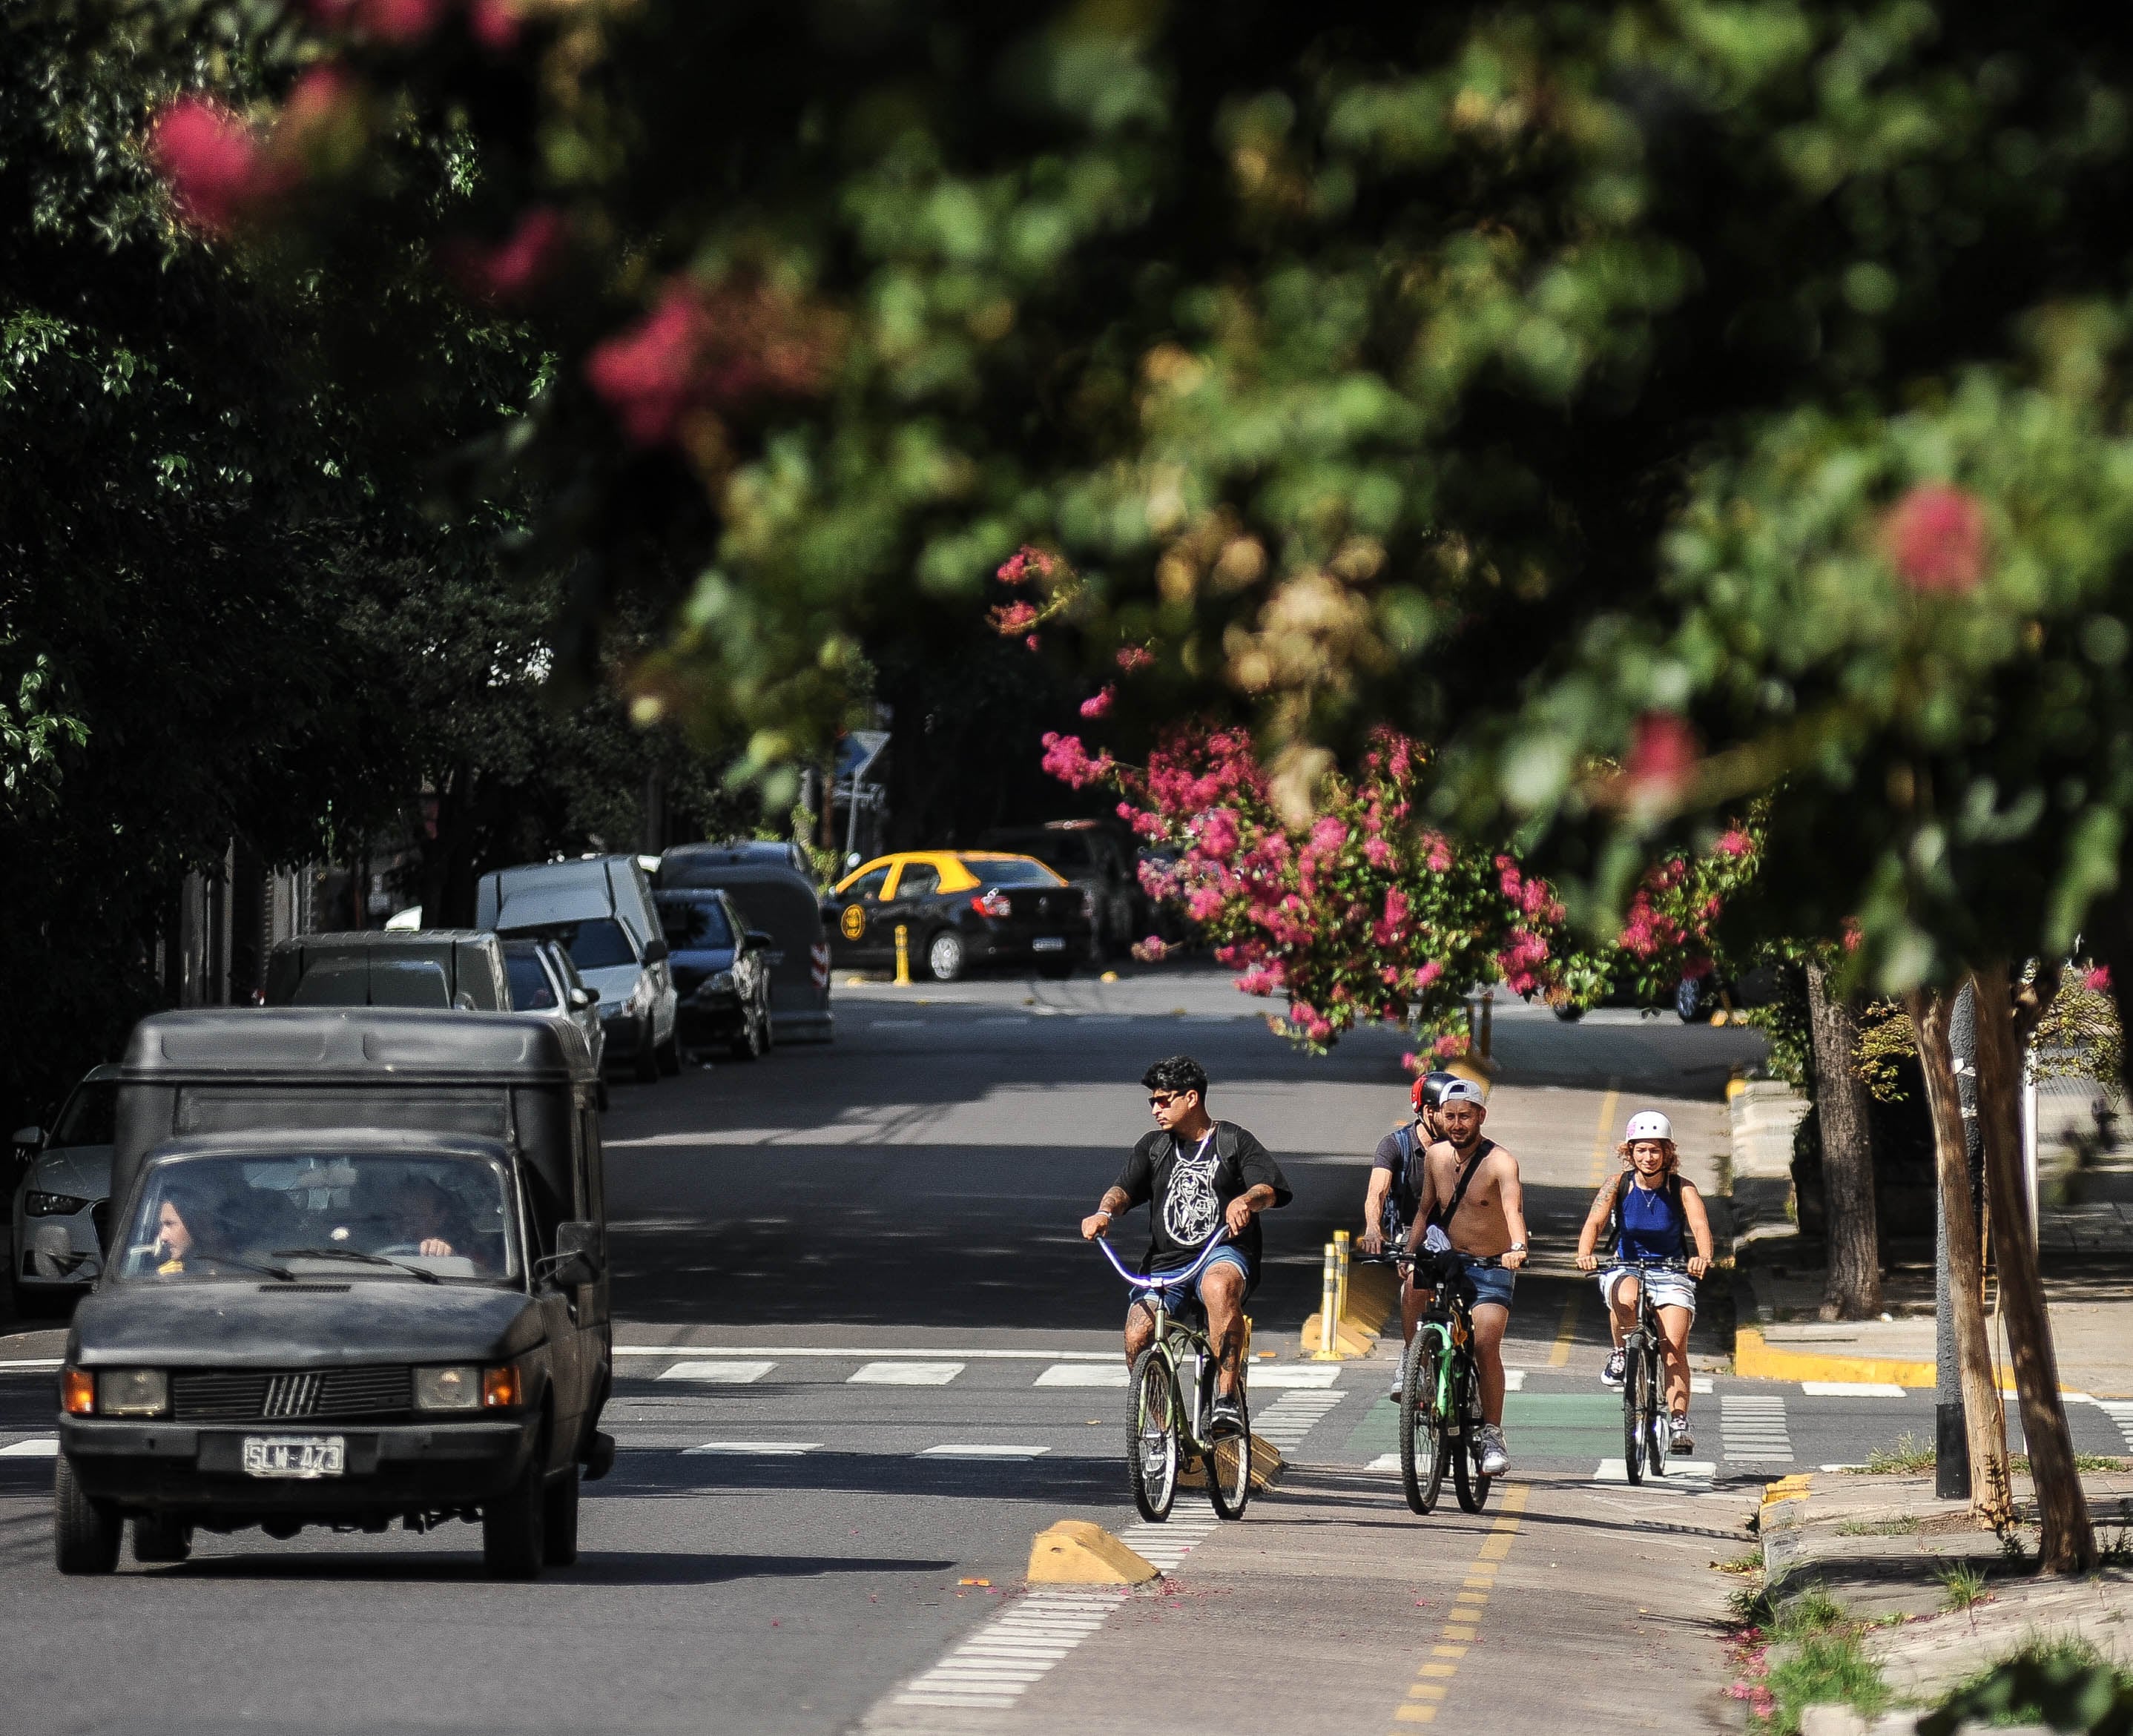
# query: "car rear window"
697,924
87,1117
598,943
1012,870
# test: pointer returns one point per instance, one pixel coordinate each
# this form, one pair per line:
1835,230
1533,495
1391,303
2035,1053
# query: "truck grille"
260,1396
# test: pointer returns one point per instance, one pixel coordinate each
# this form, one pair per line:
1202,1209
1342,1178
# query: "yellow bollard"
1340,1273
1329,1313
903,956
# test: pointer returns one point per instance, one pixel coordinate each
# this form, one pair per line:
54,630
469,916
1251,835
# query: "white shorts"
1669,1289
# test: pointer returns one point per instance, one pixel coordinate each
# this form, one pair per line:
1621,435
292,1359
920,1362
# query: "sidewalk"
1897,1565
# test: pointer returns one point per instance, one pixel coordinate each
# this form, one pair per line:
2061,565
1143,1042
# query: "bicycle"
1158,1429
1440,1403
1643,1363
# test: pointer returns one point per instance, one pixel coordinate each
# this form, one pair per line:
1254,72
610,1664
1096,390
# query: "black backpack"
1393,1227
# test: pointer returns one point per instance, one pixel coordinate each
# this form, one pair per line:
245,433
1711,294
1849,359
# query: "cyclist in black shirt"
1390,1207
1198,1176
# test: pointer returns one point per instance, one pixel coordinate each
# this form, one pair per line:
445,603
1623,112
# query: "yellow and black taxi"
959,908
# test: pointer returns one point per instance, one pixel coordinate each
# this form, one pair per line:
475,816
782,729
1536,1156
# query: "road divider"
1355,1303
1080,1552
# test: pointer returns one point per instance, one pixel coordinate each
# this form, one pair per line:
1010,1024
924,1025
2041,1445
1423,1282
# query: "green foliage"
1826,1667
2067,1684
1908,1457
1962,1586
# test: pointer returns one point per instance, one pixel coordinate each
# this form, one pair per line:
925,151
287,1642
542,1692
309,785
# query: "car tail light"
500,1389
78,1393
994,903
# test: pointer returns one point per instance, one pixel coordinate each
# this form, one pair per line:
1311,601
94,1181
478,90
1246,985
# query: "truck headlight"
448,1389
133,1391
37,1205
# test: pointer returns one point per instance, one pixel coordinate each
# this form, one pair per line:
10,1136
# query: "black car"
1098,858
356,1276
721,971
958,908
772,886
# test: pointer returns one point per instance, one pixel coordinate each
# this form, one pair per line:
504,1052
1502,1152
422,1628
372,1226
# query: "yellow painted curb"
1754,1358
1349,1340
1075,1552
1787,1488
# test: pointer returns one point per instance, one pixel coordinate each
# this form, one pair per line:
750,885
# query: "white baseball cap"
1647,1124
1463,1090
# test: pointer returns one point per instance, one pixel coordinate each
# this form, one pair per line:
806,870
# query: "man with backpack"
1388,1207
1198,1176
1648,1212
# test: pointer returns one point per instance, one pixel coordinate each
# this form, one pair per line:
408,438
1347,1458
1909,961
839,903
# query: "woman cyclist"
1650,1212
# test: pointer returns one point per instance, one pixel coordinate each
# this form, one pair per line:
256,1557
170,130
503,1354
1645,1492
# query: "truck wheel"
559,1523
157,1538
513,1525
85,1533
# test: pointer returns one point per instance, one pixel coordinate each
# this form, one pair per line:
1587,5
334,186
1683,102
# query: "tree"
1854,1285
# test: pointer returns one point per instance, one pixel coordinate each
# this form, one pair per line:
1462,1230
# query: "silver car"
544,980
57,1247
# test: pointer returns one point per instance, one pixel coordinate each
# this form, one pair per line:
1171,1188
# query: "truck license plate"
295,1455
1048,943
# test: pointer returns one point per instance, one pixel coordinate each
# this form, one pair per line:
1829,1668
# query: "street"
863,1357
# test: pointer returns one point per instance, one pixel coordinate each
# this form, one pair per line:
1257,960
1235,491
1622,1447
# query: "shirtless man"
1473,1183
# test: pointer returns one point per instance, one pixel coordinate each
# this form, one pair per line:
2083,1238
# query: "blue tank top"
1651,1223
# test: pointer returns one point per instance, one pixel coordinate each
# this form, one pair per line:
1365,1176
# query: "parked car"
359,1277
60,1204
1098,858
721,971
428,967
543,980
772,886
960,908
599,909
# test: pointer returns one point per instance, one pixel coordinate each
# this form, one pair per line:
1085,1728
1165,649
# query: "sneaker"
1684,1439
1495,1460
1226,1417
1396,1388
1617,1366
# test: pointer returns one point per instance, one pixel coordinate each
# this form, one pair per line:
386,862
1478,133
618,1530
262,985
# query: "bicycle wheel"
1230,1466
1636,1400
1152,1436
1655,1412
1421,1428
1467,1481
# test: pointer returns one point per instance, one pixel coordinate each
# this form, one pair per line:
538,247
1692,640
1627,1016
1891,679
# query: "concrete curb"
1754,1357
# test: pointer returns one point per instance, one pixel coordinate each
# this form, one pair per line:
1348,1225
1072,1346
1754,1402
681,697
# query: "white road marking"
1515,1380
996,1666
1289,1419
718,1374
1699,1383
1383,1462
776,1448
978,1450
1851,1389
40,1446
1165,1545
905,1374
1679,1474
1752,1428
2120,1411
841,1353
895,1024
1084,1375
1307,1376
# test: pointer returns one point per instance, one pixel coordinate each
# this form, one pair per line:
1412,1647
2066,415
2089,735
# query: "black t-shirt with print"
1188,1184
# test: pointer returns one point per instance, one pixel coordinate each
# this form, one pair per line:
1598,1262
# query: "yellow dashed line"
1603,1147
1461,1624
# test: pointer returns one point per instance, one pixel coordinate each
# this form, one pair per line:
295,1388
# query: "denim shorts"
1225,1255
1491,1284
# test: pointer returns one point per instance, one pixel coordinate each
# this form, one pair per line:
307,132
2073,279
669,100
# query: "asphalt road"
865,1359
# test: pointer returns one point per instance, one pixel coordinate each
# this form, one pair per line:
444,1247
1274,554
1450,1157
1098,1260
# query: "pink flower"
209,158
1328,835
1132,658
1030,643
1204,903
1935,538
701,349
2098,980
1096,704
1067,760
1736,843
495,23
1663,757
1026,563
1429,973
1378,852
1445,1047
1151,951
1219,834
1411,1061
1389,925
1437,853
1010,618
507,271
389,21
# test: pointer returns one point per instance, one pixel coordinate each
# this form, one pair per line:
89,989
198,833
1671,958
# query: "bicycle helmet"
1428,1092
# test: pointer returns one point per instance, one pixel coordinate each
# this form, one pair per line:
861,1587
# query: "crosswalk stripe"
992,1669
718,1373
953,1449
1290,1418
1083,1374
2120,1411
775,1448
1752,1428
904,1374
1850,1389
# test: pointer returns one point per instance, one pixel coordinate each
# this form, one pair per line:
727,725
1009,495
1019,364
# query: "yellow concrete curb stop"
1075,1552
1785,1488
1754,1358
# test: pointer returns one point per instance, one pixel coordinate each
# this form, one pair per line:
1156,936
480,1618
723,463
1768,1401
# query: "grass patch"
1907,1456
1828,1666
1900,1526
2065,1682
2018,1463
1961,1586
1751,1562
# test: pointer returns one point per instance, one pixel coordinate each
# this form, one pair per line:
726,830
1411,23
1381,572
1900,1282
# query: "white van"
599,910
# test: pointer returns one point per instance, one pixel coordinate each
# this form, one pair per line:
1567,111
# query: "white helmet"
1648,1124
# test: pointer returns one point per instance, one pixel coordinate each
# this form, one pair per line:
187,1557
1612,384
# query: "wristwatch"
1516,1248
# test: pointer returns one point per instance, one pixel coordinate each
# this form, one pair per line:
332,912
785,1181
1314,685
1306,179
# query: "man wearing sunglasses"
1198,1176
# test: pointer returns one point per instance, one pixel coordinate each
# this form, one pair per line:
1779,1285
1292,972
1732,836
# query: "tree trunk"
1985,1423
2069,1539
1853,1291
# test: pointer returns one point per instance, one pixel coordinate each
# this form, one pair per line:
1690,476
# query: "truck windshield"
694,922
364,1215
598,943
86,1119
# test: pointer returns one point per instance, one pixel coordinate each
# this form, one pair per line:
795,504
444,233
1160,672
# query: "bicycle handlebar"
1168,1280
1414,1257
1672,1265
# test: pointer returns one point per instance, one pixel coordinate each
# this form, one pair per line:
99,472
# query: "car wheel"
559,1522
769,1029
514,1524
157,1538
946,955
1569,1015
85,1533
748,1044
1689,999
667,1056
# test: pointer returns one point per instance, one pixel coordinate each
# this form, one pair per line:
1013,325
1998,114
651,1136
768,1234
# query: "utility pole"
1951,1428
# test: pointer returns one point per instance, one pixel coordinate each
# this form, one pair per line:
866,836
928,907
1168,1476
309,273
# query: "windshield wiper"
272,1271
356,1253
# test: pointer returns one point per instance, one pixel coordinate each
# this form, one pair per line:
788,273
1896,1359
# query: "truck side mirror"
582,998
576,1258
29,1135
655,952
758,938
